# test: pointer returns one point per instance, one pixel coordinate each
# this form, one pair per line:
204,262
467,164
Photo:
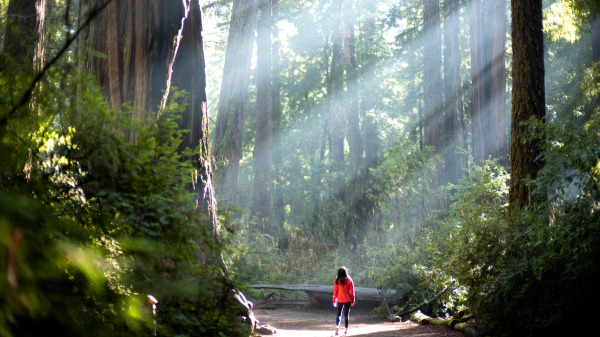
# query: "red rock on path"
317,322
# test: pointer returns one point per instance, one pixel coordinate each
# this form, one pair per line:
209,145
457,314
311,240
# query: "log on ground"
468,330
323,295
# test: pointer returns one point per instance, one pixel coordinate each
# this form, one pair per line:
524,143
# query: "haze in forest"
177,154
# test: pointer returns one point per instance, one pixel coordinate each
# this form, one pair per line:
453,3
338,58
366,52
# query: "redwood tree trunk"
349,56
337,113
527,99
261,201
227,146
278,203
596,39
498,147
456,159
189,74
142,40
478,81
20,35
432,80
596,47
137,38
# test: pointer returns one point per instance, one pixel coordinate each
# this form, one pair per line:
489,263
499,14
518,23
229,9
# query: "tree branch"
428,302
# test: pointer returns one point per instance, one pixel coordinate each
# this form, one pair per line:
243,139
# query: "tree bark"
498,146
151,45
433,88
278,203
20,35
189,74
137,38
478,81
456,158
596,39
261,201
227,146
595,27
349,56
527,99
336,130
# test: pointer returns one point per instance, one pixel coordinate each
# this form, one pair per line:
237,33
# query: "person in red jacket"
343,297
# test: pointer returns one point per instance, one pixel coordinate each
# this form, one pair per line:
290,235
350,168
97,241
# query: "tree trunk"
150,44
20,35
596,39
261,201
189,74
40,46
478,81
137,38
278,204
595,27
456,159
527,99
371,142
337,113
498,147
432,80
227,146
349,56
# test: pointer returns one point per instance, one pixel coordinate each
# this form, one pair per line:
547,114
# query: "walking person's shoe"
336,331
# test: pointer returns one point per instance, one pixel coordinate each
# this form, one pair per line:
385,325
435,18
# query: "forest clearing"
162,161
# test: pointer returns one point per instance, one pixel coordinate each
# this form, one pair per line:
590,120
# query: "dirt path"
311,322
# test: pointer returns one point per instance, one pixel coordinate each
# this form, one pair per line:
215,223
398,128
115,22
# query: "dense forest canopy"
181,151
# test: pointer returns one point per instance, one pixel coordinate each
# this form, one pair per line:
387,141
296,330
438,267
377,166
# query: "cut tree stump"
322,296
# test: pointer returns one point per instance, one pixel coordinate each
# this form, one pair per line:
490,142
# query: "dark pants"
345,308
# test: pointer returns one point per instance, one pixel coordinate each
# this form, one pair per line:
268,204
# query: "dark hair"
342,275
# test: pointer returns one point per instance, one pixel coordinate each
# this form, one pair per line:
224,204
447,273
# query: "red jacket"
344,293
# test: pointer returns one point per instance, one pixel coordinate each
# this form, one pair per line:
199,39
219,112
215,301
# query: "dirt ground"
318,322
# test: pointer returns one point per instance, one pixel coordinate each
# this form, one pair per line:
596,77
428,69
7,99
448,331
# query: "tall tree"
595,27
497,142
227,144
455,156
596,39
527,99
336,118
351,66
432,80
261,201
20,36
278,206
478,74
189,74
136,67
142,64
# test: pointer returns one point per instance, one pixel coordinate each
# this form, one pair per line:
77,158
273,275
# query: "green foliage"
473,230
91,222
533,273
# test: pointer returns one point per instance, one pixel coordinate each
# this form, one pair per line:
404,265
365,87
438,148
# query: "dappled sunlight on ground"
317,322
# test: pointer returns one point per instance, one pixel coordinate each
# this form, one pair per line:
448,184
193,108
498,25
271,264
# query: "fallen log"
468,330
323,295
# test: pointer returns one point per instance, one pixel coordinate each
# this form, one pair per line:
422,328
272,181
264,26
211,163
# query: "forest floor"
320,322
